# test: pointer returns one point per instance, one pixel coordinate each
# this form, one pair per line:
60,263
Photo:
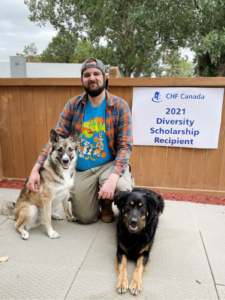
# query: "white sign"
177,117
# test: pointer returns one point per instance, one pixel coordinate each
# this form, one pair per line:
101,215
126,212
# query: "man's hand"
34,179
108,188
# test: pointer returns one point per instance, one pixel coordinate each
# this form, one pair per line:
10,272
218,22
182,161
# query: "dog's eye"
60,150
70,149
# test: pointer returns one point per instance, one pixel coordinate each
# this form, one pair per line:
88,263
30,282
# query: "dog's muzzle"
65,161
133,224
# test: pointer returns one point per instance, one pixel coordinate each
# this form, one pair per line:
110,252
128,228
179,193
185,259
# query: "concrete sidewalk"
189,246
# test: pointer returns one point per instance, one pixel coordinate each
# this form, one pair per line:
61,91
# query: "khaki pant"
84,193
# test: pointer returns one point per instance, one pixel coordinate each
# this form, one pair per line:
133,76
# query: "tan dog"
57,177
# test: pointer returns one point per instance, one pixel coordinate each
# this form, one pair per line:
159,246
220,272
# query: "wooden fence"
30,107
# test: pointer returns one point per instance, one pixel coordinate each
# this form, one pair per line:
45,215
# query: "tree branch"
143,60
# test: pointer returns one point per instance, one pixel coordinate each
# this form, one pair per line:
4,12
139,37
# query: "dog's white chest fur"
61,190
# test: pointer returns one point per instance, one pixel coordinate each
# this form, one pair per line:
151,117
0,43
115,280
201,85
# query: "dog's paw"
72,219
53,235
57,217
135,286
25,235
122,285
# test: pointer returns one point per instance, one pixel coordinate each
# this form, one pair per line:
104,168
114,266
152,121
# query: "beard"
97,91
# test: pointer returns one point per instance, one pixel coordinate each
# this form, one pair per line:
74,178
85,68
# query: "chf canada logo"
157,97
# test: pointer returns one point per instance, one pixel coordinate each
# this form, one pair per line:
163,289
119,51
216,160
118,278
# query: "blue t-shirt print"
93,147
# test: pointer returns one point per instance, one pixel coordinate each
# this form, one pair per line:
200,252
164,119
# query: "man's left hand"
108,188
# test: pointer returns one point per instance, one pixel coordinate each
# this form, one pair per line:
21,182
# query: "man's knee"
88,218
125,182
85,212
123,185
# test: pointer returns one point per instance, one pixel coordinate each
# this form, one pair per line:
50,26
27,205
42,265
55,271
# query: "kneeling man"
105,141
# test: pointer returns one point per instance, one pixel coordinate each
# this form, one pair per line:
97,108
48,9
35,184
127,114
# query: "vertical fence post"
113,72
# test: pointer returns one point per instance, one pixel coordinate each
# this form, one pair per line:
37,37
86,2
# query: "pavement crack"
209,264
82,262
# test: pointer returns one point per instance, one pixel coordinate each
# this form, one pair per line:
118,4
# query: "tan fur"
126,218
136,282
144,249
122,282
123,247
142,223
23,215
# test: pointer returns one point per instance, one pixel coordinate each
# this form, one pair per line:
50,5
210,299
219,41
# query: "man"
105,142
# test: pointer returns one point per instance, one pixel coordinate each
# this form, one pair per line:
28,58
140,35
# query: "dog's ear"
54,137
74,136
120,198
159,199
152,204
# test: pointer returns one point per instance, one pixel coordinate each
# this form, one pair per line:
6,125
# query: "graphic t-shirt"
93,147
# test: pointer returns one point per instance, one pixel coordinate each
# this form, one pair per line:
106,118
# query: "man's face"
93,81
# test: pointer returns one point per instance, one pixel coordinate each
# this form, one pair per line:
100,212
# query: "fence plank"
75,91
185,168
221,183
159,166
40,118
223,111
131,82
63,97
52,108
5,134
17,131
147,166
198,170
213,164
128,95
121,92
135,162
29,140
113,90
172,167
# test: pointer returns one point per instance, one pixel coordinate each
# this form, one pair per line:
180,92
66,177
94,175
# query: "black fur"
131,243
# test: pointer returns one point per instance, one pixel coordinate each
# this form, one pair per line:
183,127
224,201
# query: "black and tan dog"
137,222
57,177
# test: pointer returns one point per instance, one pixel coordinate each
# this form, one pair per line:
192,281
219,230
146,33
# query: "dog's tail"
8,209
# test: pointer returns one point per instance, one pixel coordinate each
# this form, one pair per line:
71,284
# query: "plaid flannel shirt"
118,123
